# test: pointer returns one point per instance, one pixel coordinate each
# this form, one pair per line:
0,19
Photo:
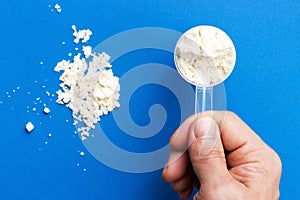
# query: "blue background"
263,89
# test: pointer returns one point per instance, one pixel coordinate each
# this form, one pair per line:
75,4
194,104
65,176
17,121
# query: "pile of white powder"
205,55
89,89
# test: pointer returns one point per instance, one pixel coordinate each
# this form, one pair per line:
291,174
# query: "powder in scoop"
205,56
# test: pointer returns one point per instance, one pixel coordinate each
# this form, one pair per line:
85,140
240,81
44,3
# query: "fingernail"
205,128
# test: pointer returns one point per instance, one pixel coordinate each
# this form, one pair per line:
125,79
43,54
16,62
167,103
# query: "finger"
234,132
185,194
206,152
177,166
187,181
179,140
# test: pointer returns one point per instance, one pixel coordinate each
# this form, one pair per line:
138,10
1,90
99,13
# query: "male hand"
217,153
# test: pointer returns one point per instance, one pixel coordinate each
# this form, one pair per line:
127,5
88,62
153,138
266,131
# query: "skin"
217,153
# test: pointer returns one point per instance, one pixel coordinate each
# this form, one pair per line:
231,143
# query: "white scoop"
204,56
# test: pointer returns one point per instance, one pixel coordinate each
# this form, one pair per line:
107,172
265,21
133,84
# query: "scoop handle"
203,99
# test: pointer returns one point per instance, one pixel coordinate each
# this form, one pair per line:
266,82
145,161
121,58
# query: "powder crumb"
69,54
81,153
46,142
87,51
84,169
34,109
63,43
81,35
48,93
41,63
50,135
58,8
46,110
29,127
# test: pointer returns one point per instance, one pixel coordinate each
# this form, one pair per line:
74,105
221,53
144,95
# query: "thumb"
206,152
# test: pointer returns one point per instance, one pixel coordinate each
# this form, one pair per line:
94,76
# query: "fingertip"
165,176
179,140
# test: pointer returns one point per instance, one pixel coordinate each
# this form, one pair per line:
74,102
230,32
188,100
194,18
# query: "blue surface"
263,89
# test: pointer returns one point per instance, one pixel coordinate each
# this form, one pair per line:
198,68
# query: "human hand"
217,153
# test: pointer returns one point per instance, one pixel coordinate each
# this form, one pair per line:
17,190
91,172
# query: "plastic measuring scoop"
204,56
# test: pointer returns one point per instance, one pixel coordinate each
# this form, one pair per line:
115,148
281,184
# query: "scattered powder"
46,110
29,127
58,8
205,55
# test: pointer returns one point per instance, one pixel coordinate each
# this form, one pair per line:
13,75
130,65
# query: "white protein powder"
83,35
29,127
58,8
46,110
205,56
90,90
